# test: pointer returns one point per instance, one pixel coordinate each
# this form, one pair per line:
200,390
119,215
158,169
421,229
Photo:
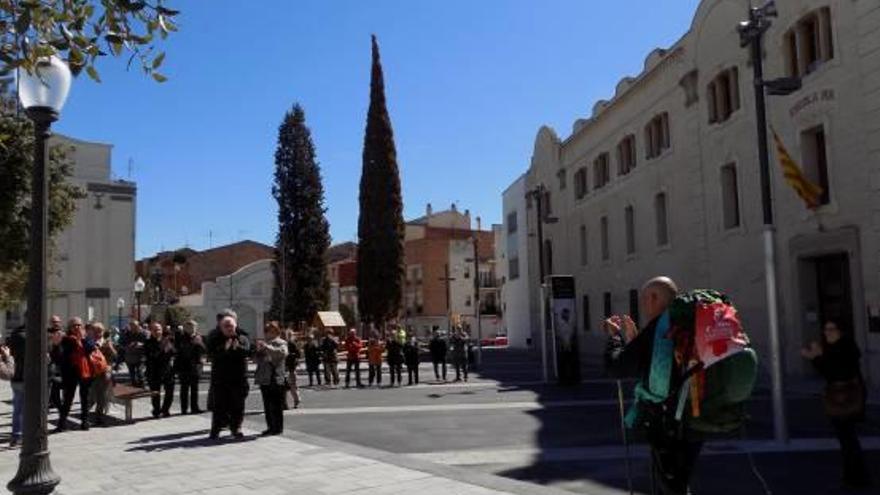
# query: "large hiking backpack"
720,366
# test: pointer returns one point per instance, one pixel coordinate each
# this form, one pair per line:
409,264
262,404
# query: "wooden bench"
125,394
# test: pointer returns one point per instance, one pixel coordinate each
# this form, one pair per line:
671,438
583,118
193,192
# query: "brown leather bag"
845,399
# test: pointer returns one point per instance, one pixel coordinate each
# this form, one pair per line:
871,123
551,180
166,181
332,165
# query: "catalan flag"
808,191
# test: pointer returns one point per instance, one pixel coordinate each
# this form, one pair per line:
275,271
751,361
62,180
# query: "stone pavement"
173,456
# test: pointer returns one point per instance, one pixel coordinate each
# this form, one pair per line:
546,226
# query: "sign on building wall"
563,317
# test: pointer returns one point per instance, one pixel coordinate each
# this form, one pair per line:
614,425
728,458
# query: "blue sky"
468,85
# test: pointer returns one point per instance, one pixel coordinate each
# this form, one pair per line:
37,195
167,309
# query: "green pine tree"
380,225
301,286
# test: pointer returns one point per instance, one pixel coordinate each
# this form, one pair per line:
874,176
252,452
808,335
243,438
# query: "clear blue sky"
468,85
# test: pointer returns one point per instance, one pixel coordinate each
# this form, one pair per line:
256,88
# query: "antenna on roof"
210,239
130,166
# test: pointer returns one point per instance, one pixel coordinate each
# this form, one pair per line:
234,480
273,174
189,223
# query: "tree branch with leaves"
81,31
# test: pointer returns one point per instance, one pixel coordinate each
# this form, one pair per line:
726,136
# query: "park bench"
125,394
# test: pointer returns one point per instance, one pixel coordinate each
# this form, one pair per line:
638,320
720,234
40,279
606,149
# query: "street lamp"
751,34
120,305
42,93
139,286
538,194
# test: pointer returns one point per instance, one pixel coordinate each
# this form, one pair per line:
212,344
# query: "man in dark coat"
329,348
411,358
188,366
159,351
438,349
228,353
394,357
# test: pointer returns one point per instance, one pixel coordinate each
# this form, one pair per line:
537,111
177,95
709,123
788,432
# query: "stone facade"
663,178
94,256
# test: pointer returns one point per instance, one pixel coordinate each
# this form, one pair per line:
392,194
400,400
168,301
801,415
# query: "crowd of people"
83,357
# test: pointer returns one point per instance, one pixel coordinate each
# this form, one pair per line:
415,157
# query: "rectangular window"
563,179
512,223
712,102
657,138
580,183
815,160
603,232
513,268
791,54
626,155
584,251
661,227
634,305
810,43
547,205
601,171
586,310
730,196
630,230
607,305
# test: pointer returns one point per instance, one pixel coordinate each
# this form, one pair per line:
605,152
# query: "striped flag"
808,191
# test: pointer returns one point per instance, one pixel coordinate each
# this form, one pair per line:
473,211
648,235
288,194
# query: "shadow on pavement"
188,443
597,424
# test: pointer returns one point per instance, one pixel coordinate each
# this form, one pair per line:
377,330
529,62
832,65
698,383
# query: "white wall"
515,304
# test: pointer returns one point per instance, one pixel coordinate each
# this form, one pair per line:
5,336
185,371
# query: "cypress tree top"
380,225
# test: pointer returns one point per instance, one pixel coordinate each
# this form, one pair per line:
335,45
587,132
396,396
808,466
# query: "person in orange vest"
374,359
353,346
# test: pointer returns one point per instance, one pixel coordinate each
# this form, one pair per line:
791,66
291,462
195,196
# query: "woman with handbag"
837,360
271,376
102,374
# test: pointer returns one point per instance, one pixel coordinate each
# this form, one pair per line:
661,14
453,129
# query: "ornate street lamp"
139,286
42,94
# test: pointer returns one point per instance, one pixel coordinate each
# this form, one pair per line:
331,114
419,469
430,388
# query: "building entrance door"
834,291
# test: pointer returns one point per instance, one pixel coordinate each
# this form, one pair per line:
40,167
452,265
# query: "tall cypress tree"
301,285
380,225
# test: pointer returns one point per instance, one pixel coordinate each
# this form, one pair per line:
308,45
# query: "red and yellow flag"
807,190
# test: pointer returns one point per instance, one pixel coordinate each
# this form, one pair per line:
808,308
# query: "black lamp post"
42,94
139,286
752,36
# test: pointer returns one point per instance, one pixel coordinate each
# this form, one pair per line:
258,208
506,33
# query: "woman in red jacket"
76,371
353,346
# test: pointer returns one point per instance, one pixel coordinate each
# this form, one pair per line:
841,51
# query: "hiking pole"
629,482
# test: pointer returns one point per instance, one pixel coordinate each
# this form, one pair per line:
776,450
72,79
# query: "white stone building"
663,178
94,257
248,291
511,248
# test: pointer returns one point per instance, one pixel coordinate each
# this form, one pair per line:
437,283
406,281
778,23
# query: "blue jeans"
17,408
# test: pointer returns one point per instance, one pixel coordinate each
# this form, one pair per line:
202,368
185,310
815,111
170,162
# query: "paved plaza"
502,432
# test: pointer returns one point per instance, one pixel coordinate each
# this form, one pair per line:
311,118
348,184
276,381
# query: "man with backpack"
631,354
695,372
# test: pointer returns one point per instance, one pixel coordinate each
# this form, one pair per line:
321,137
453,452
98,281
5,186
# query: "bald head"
656,295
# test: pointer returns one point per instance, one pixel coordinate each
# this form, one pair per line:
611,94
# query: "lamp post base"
34,476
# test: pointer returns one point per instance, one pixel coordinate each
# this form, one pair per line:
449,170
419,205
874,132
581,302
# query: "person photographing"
646,355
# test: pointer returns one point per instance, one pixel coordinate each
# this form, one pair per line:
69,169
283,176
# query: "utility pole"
752,35
477,299
538,195
446,279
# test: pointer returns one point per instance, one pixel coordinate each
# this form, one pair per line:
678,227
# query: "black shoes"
237,434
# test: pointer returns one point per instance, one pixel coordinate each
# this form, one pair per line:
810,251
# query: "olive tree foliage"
16,162
81,31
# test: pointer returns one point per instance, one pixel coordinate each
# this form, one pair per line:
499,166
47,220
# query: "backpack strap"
660,374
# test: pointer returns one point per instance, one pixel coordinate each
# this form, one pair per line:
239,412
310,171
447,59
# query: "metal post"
539,198
35,475
759,24
477,301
